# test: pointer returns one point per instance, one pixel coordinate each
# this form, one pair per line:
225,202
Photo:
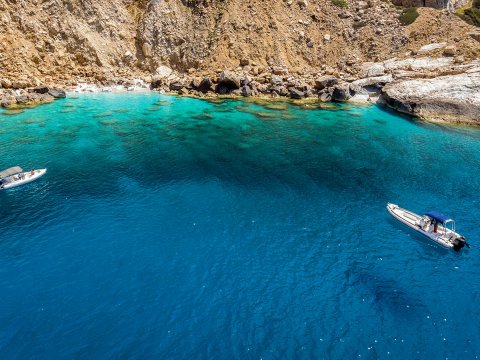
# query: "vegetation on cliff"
472,15
408,16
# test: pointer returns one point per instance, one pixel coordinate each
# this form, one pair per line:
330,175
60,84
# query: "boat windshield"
449,224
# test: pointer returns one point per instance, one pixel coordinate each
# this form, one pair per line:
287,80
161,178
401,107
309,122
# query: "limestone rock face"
439,4
52,41
451,98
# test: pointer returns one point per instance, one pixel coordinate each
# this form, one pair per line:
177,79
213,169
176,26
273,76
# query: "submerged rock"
13,112
23,99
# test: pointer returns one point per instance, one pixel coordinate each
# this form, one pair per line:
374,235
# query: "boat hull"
25,178
411,220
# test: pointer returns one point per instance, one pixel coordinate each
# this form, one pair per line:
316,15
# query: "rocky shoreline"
434,89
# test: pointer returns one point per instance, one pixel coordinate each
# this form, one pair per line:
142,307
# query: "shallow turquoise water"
178,228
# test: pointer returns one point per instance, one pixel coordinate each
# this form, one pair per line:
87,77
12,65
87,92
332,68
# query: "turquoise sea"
175,228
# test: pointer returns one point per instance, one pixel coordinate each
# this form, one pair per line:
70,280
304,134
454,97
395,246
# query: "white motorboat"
433,225
15,176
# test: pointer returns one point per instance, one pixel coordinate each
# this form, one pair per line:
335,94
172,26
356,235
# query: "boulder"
128,57
246,91
279,90
279,70
20,85
245,81
302,3
377,81
475,35
163,72
229,79
176,86
450,98
431,47
7,102
22,99
325,81
183,91
325,97
6,84
296,94
417,64
205,85
57,93
341,92
371,70
362,5
276,80
45,98
40,89
450,50
157,82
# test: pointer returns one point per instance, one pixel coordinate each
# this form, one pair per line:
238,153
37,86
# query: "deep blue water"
188,229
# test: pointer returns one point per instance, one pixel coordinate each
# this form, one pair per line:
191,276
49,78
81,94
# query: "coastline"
432,89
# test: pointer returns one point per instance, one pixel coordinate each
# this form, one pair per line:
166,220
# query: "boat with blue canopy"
433,225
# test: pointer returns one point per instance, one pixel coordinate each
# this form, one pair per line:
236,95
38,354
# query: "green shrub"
408,16
340,3
472,15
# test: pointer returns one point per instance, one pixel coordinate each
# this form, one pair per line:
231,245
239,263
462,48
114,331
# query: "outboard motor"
459,243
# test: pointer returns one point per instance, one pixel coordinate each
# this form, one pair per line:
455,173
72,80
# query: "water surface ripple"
185,229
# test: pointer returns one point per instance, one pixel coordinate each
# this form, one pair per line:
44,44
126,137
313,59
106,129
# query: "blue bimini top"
438,216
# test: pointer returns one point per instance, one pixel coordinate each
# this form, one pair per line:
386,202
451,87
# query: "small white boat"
15,176
433,225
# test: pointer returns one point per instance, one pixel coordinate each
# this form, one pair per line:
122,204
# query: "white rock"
452,98
430,47
372,69
425,63
360,98
385,79
164,71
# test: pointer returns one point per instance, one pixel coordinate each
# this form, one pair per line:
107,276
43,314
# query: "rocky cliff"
278,47
98,40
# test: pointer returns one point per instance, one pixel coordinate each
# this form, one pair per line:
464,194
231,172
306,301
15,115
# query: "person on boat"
32,172
425,223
